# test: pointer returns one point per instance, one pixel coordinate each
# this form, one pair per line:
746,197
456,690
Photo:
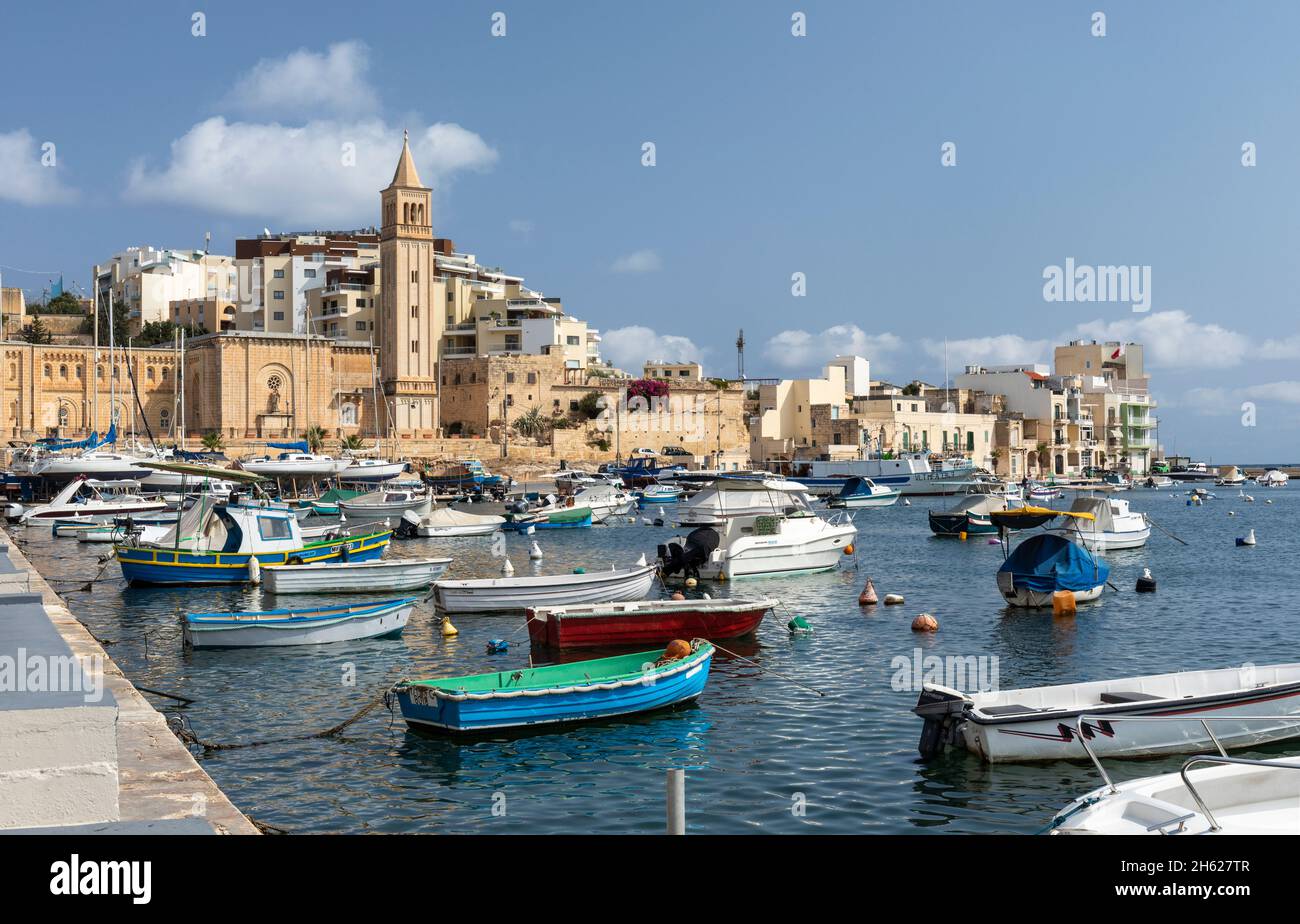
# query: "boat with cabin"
297,461
1113,525
863,492
388,502
92,499
728,497
911,473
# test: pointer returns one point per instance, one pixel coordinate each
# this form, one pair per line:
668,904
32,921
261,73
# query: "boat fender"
848,549
924,622
691,582
706,596
906,502
497,645
254,570
1063,603
448,630
868,596
798,625
893,599
676,650
1146,584
659,521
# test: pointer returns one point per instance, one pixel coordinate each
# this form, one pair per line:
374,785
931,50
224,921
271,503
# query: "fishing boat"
385,503
660,494
298,461
579,691
728,497
1228,795
1046,563
645,622
970,516
103,533
297,627
519,593
796,540
446,521
91,499
1046,723
355,577
1116,481
1044,492
217,542
1113,525
863,492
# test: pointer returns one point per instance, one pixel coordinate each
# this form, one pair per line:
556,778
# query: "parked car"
642,452
676,451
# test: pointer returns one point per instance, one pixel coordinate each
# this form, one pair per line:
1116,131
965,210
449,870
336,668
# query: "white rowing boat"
519,593
1043,723
297,627
355,577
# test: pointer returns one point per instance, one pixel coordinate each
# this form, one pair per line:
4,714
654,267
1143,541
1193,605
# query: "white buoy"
641,562
535,551
507,568
530,531
906,502
1250,538
645,521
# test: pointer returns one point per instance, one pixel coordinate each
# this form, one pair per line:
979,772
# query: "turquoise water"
762,752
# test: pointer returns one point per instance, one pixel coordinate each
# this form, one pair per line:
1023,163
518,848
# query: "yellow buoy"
962,535
448,630
691,582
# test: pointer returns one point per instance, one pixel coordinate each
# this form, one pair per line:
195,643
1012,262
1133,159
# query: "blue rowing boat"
574,692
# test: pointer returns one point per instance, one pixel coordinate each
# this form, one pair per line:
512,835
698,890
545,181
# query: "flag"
1119,351
56,288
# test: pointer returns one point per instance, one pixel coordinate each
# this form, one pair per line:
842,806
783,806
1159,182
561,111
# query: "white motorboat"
355,577
1273,478
102,464
366,470
520,593
297,627
388,503
1160,481
1044,492
446,521
1046,723
1113,525
661,494
1230,476
735,497
863,492
909,472
295,465
605,501
795,540
1225,795
91,499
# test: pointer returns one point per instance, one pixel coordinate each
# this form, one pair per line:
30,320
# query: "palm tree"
352,443
213,442
315,437
532,422
1044,453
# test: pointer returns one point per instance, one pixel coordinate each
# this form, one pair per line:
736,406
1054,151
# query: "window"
415,346
278,295
48,372
274,527
574,341
415,275
279,274
278,316
510,400
415,311
510,378
148,373
63,372
970,440
361,325
309,273
532,378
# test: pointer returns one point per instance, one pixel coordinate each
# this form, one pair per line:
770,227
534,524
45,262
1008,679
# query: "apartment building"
277,275
344,307
1114,386
147,280
673,371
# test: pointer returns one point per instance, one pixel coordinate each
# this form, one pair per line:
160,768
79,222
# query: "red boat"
644,622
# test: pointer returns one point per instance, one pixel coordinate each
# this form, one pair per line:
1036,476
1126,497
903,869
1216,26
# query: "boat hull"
762,556
506,594
642,623
423,707
353,577
1106,541
372,622
954,524
152,565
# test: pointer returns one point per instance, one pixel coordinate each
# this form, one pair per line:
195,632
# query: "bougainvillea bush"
647,388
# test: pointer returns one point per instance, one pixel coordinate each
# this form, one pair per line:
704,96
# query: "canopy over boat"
1097,509
300,446
981,505
1028,517
1046,563
447,516
205,471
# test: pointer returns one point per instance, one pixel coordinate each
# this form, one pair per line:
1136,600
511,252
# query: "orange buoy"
676,650
1063,603
848,549
925,623
678,595
868,595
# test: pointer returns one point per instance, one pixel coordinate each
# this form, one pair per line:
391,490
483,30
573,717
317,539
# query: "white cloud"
1285,392
1172,340
629,348
997,350
300,175
23,178
307,83
1281,349
803,350
640,261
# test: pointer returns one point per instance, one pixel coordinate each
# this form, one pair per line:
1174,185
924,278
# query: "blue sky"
774,155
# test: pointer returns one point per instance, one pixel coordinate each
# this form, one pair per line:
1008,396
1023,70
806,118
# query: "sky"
895,181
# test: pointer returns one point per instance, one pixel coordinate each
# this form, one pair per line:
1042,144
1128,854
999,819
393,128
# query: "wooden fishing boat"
297,627
645,622
355,577
520,593
1042,723
576,692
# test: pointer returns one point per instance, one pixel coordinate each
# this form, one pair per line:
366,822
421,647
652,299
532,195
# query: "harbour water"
762,752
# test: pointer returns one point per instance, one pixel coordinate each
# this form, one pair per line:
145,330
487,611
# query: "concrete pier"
102,763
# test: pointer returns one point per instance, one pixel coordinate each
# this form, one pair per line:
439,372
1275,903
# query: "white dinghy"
355,577
297,627
520,593
1053,723
448,522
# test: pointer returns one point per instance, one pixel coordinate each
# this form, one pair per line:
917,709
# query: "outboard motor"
942,708
406,526
686,555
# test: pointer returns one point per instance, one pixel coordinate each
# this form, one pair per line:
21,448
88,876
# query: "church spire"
406,174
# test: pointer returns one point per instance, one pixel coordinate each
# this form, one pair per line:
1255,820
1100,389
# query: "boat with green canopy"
574,692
